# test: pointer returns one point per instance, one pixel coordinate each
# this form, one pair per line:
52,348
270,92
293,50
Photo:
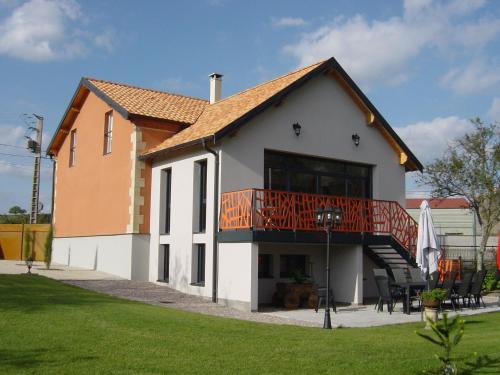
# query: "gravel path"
164,296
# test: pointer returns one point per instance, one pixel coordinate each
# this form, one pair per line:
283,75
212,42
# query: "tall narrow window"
198,265
200,198
108,132
167,180
72,148
164,263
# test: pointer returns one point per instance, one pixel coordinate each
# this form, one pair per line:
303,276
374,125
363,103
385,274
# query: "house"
455,224
217,198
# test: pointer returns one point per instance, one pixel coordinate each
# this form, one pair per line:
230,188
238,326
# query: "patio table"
408,287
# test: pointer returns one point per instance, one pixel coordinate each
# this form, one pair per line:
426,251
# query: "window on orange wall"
108,132
72,148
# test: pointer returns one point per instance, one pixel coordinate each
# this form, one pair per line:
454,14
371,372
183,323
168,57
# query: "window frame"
108,133
165,256
201,172
167,200
72,148
198,273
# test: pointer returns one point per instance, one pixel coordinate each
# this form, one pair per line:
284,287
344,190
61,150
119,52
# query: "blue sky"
427,65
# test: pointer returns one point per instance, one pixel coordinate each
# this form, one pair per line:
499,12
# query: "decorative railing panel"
279,210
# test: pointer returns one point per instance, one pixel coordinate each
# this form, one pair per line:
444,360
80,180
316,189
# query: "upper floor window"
72,148
200,198
167,198
108,132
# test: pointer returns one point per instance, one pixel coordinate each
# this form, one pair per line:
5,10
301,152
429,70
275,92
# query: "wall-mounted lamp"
296,128
355,138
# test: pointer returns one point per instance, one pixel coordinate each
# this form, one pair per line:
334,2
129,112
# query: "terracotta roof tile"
152,103
438,203
217,116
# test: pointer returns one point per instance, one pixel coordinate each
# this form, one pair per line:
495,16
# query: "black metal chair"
400,275
448,284
384,294
416,275
463,290
476,288
380,272
321,292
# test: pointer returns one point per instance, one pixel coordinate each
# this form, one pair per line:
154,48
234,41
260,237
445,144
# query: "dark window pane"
331,185
200,277
166,262
265,266
303,182
275,179
292,264
356,188
168,198
356,170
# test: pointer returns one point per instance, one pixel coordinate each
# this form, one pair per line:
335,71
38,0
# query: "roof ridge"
144,88
271,80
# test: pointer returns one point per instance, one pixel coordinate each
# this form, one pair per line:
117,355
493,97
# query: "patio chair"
400,276
416,275
448,284
380,272
475,289
321,292
463,290
384,294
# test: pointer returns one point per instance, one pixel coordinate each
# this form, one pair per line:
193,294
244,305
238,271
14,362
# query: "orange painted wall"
92,197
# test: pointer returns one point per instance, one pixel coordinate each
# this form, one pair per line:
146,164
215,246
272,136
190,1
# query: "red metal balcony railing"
279,210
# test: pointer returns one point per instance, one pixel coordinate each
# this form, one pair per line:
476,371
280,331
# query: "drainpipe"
215,257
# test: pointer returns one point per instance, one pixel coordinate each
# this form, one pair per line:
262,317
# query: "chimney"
215,87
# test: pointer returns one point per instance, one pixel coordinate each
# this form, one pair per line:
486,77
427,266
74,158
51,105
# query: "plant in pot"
431,300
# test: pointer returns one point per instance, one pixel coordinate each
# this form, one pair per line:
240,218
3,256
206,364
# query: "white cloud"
494,111
12,135
288,21
429,139
475,77
45,30
382,50
105,40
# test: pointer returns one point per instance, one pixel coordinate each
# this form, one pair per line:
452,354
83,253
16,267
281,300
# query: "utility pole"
35,146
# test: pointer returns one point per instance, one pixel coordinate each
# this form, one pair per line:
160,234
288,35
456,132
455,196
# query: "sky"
428,65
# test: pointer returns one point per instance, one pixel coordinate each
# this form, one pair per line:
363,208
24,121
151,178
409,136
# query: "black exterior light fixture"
355,139
296,128
326,218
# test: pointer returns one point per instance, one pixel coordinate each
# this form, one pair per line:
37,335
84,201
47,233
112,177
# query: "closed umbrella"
428,252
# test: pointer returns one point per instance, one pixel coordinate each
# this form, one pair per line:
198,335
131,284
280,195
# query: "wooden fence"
12,237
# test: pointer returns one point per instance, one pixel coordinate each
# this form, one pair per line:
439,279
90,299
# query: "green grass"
51,328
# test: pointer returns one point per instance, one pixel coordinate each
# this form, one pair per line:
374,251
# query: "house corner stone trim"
136,181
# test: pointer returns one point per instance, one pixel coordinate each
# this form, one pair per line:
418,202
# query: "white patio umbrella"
428,252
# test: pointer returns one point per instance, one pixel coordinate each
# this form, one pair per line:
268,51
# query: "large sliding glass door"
305,174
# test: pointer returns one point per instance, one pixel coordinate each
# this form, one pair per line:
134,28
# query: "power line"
7,145
22,156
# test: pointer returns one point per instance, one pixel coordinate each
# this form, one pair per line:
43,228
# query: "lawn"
52,328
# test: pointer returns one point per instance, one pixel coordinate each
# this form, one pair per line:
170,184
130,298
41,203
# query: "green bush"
47,248
490,281
28,243
436,294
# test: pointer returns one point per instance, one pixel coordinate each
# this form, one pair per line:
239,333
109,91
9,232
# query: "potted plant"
431,300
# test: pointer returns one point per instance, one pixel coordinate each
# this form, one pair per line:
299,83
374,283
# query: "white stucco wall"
123,255
238,284
181,238
347,270
329,118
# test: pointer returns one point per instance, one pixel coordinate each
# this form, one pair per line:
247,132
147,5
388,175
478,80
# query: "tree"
47,254
470,168
16,210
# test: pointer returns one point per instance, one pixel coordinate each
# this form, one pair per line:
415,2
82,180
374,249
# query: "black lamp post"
29,264
326,218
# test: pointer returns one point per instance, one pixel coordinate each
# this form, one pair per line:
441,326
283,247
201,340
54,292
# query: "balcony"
270,210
